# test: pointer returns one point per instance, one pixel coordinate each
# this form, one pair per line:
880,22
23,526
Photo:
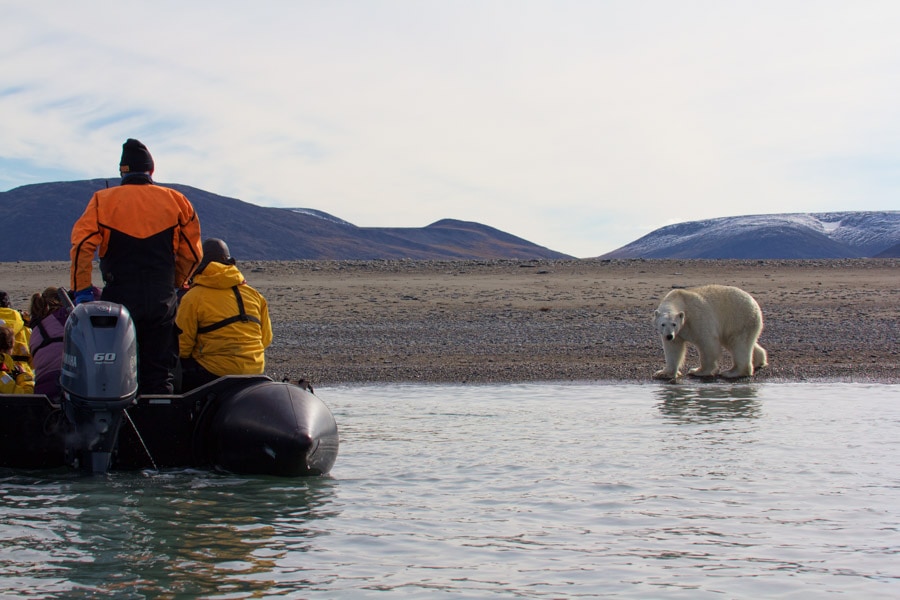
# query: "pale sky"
577,125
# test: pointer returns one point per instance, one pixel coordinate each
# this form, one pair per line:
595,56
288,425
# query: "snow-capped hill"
870,232
321,214
797,235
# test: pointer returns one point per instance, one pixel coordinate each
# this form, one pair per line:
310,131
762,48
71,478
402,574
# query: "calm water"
525,491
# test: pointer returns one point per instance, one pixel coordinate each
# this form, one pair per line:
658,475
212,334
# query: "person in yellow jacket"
223,322
15,377
148,240
13,319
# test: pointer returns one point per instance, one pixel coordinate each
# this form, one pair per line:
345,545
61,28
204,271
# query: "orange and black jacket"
144,234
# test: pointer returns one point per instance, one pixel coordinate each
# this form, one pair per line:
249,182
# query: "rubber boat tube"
237,424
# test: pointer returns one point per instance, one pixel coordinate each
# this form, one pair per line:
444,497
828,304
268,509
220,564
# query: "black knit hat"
135,158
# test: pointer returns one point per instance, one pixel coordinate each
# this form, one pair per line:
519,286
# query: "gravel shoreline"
505,321
573,321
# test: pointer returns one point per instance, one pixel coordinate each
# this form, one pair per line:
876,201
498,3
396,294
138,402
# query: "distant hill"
44,213
800,236
892,252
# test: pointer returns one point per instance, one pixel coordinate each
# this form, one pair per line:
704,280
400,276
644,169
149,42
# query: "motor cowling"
99,380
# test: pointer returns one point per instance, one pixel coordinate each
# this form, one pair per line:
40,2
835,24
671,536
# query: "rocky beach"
500,321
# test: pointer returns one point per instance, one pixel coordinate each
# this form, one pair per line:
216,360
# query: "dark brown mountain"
44,214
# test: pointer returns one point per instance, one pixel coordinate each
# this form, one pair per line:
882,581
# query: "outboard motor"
99,381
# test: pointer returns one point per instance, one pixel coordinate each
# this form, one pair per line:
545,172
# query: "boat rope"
141,440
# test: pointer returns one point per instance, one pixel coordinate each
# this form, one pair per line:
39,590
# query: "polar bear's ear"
680,317
656,313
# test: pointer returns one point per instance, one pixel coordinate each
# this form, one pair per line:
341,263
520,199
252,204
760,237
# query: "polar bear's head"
668,323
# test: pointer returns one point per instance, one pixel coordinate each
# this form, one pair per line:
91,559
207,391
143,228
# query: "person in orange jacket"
148,239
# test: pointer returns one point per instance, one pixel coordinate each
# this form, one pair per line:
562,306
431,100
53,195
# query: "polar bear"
710,317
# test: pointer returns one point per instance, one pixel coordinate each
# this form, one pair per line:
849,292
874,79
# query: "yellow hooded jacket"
237,348
15,377
13,319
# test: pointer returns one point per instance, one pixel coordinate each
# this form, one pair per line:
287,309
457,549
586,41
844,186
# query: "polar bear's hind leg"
760,357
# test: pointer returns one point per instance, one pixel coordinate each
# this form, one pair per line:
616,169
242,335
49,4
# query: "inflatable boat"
239,424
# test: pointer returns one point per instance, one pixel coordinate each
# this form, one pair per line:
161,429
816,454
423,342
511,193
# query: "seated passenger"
48,323
223,323
21,332
15,377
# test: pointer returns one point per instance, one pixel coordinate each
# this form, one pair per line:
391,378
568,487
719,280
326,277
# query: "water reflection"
708,403
171,535
625,491
241,533
34,544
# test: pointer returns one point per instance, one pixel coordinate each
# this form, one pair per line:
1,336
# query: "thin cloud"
577,125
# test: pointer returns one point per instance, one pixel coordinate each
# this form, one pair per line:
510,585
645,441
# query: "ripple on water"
571,490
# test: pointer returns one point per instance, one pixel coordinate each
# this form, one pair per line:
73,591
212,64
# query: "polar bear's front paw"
698,372
735,373
664,374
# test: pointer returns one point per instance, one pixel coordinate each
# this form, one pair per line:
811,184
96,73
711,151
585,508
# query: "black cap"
214,250
135,158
